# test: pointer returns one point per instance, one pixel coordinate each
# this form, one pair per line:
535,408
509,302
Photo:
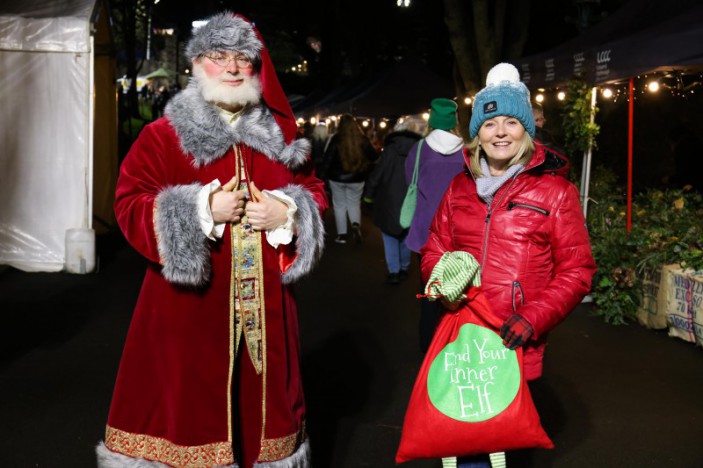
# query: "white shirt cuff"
212,230
283,234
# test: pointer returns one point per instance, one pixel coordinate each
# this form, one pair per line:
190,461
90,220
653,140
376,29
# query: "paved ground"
611,396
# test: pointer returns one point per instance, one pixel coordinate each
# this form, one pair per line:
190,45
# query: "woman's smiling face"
500,139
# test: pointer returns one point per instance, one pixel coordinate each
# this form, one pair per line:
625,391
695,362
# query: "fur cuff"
183,247
300,459
310,237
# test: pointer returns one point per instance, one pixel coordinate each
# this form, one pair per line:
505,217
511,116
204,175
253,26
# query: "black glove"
516,330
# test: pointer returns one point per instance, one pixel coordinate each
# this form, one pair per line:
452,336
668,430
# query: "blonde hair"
525,150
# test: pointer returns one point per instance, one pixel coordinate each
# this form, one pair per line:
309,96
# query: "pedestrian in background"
521,221
346,165
318,139
386,188
441,158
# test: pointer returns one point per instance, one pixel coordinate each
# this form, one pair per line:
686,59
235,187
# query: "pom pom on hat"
502,72
504,95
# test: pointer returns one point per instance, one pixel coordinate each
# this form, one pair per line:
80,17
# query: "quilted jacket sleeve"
574,267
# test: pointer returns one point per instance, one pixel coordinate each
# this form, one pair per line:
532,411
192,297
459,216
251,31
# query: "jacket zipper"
517,286
488,218
512,205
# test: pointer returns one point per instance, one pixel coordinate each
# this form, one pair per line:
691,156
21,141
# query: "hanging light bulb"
426,116
383,124
467,100
539,98
607,93
653,86
365,123
313,120
301,121
561,96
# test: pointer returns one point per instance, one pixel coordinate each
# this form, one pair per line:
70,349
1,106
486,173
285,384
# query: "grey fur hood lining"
204,135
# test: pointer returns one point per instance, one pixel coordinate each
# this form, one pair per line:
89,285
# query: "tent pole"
630,139
586,171
91,134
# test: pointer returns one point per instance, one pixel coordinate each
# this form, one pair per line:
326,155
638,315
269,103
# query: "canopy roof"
46,25
159,73
642,36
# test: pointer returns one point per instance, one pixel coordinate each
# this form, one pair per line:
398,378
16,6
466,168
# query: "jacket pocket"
517,295
527,206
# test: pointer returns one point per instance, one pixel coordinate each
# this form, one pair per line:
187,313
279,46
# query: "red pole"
631,111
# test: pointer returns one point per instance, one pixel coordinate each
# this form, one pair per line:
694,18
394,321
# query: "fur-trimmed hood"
204,135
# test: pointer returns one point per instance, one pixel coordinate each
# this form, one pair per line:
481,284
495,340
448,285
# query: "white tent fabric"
46,90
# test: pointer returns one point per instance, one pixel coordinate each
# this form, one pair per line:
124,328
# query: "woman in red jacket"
518,217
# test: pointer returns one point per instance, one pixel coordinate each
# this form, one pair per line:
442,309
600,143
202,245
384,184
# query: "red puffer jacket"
531,242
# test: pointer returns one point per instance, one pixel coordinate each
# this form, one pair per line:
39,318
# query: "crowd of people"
226,203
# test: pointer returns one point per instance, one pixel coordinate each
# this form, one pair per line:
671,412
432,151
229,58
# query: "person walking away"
223,202
347,163
386,187
441,158
521,221
319,139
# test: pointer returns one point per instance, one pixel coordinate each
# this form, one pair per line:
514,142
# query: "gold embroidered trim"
282,447
165,451
263,340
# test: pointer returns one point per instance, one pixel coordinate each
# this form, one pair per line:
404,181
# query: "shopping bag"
407,209
470,396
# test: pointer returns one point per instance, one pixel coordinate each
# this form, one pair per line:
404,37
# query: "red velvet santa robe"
173,400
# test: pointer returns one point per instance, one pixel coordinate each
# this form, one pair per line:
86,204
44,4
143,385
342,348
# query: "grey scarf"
487,185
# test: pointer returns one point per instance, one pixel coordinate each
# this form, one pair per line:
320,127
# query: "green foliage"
576,118
667,227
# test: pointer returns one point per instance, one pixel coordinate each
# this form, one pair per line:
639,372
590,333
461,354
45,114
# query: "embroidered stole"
246,283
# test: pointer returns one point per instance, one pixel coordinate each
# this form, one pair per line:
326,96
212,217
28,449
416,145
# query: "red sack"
471,396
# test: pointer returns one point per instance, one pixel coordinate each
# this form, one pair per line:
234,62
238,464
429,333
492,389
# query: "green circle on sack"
475,377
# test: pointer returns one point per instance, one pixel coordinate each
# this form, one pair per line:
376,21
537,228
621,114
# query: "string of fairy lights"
677,83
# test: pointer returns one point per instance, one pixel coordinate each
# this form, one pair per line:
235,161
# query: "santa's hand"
265,213
227,205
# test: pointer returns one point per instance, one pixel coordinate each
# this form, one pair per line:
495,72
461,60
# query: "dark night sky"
371,32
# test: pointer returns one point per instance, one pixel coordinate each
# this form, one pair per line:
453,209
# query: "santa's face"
227,78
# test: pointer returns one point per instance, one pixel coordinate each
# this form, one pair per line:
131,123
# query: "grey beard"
248,93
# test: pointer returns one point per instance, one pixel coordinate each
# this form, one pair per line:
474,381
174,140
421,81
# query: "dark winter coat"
531,242
386,184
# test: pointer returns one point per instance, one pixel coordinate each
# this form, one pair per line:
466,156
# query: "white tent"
52,87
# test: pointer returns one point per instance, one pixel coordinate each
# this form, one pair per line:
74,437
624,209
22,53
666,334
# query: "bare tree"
481,34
